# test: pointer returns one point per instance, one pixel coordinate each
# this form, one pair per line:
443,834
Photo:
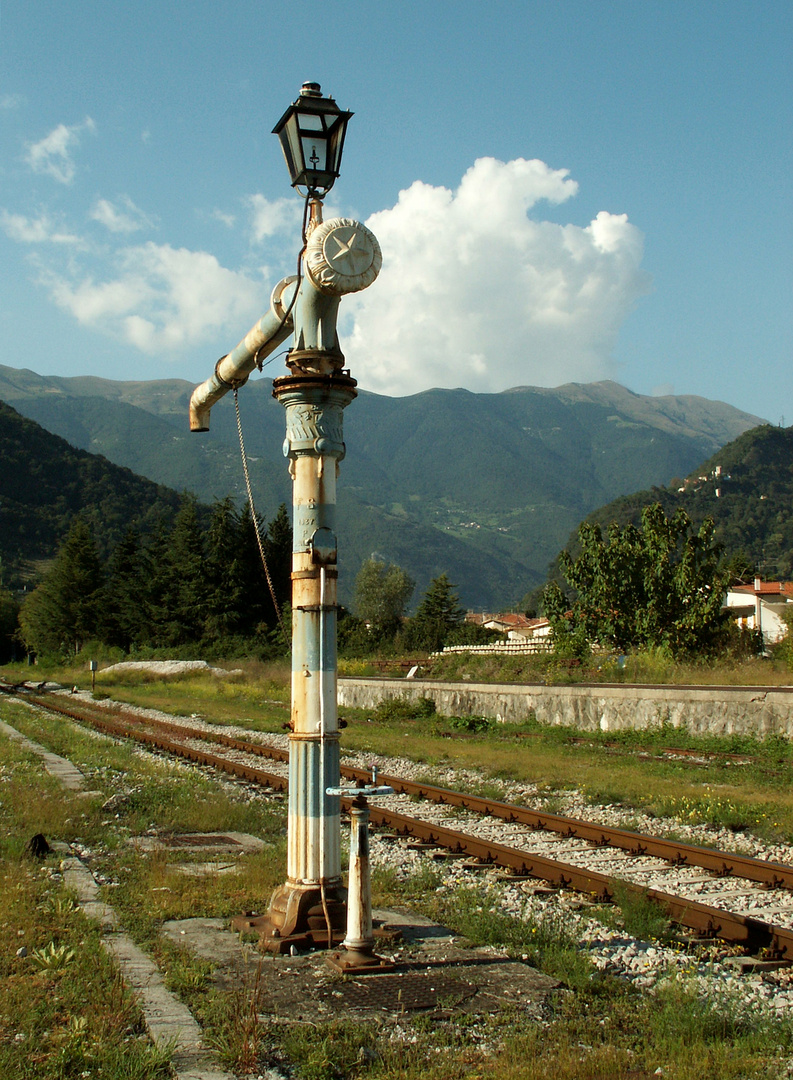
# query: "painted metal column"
312,899
359,936
357,953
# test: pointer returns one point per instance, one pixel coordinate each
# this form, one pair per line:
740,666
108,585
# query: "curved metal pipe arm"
233,369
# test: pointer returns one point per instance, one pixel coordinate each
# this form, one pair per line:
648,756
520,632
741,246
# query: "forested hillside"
191,585
45,483
747,488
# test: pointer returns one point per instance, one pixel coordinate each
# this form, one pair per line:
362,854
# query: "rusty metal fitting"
233,384
314,361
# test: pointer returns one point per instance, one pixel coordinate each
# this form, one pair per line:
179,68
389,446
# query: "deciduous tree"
658,585
382,592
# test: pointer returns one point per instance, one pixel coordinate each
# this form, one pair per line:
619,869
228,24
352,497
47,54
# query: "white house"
759,607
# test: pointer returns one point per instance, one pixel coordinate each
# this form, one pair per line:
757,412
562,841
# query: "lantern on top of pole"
312,133
338,256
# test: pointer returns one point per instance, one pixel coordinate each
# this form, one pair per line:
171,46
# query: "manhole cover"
198,840
411,992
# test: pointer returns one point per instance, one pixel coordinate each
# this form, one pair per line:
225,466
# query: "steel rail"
724,864
708,921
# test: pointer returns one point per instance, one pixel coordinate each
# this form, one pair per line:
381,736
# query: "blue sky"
563,191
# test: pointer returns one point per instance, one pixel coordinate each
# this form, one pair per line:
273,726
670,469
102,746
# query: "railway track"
625,861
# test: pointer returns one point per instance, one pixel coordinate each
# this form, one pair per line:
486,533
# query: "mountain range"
484,487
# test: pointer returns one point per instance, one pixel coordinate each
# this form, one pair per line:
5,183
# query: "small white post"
357,950
359,937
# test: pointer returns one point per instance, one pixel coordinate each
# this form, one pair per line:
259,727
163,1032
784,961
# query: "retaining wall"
701,710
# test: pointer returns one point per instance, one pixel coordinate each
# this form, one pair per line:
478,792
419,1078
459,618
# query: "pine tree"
278,549
438,615
126,595
156,570
9,623
183,581
256,607
225,578
65,610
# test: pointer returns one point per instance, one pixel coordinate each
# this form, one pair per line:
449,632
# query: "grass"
639,915
63,1009
652,666
594,1028
258,698
66,971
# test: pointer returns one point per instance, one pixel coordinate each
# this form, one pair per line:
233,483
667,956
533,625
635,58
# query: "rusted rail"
774,875
723,864
707,921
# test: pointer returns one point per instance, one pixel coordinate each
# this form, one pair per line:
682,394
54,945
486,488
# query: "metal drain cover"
411,991
229,843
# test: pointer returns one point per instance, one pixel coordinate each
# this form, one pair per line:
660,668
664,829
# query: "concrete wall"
703,710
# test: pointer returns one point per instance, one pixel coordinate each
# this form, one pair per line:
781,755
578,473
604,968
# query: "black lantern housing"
311,132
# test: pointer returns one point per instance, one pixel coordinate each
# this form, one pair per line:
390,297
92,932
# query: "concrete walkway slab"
57,766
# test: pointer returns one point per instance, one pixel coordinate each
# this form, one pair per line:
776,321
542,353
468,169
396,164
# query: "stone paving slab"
219,843
169,1022
57,766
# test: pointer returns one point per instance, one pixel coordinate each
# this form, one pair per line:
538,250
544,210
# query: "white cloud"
226,219
272,216
163,299
126,220
39,230
475,293
52,156
11,101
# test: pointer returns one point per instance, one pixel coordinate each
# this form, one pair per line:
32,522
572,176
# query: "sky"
563,191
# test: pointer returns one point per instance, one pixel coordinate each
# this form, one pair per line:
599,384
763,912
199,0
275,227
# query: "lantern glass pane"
334,154
295,149
315,154
309,121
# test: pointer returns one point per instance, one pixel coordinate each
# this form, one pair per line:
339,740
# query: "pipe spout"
233,369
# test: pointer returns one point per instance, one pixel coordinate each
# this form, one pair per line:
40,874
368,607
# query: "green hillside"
486,487
747,488
45,483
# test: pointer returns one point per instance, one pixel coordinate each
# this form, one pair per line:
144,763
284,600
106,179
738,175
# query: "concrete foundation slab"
202,869
432,974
